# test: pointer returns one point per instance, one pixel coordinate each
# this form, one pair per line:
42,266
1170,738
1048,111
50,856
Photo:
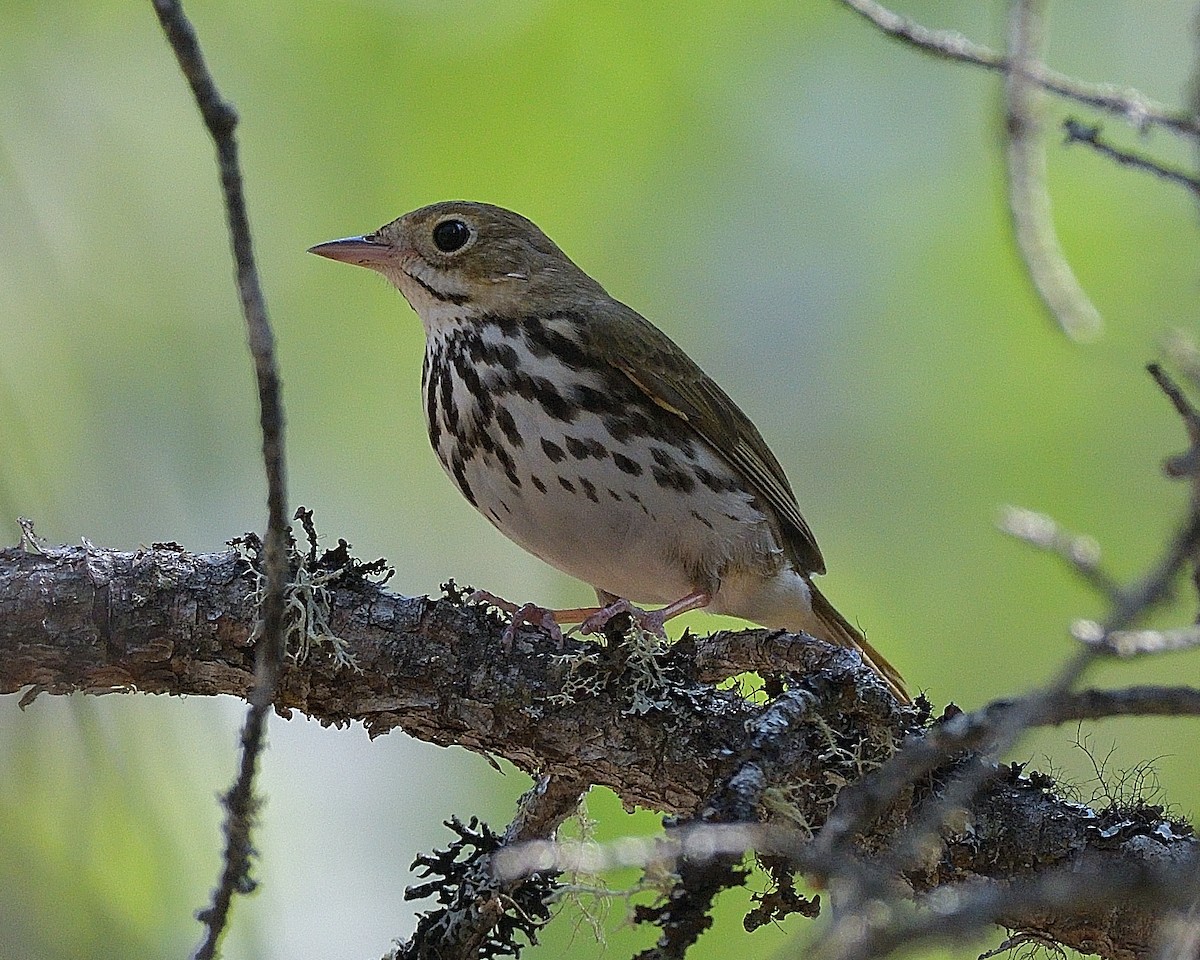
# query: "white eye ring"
451,234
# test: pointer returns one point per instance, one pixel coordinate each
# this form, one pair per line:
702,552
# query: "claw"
535,616
590,619
651,621
529,613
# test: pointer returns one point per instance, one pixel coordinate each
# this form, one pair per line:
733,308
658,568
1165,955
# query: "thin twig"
1131,105
1028,194
861,804
1030,207
966,731
1186,464
1080,552
1137,643
221,121
1147,701
957,912
1089,133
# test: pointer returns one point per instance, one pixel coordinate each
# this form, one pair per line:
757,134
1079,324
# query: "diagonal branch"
1089,134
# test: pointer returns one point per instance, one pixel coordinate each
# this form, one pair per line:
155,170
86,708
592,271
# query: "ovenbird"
584,434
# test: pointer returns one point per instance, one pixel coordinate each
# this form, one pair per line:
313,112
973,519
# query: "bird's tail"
834,628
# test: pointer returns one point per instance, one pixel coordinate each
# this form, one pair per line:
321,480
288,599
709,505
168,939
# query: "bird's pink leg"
652,621
590,619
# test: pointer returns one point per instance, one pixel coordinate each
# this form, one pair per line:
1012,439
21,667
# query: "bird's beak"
362,251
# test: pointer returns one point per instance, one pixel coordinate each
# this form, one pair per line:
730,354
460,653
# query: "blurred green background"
815,214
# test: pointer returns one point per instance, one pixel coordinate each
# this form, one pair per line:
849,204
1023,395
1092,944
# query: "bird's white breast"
570,460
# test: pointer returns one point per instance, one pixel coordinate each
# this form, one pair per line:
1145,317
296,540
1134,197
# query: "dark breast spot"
589,488
500,355
470,379
504,420
566,484
537,482
566,351
553,451
535,336
673,479
510,468
445,392
540,391
582,449
594,400
545,393
715,483
669,474
434,367
509,326
626,465
459,470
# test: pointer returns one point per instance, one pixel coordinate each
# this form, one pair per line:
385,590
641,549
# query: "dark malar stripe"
458,299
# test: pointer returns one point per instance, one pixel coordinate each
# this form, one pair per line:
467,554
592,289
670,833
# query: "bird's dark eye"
451,235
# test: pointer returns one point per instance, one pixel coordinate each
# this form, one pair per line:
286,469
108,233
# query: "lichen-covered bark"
165,621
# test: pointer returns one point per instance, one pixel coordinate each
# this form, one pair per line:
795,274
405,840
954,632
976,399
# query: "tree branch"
165,621
1089,134
1131,105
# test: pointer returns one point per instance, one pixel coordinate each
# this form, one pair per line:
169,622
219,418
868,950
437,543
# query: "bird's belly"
633,519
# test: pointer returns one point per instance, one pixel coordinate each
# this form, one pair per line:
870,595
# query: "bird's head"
464,258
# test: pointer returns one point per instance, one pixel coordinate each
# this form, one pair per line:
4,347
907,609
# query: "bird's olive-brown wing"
670,378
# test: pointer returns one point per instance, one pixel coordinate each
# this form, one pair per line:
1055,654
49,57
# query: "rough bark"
161,620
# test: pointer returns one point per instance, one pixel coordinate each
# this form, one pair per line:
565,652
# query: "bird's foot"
529,613
645,619
648,621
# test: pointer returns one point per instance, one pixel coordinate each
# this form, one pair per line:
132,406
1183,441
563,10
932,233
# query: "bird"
593,441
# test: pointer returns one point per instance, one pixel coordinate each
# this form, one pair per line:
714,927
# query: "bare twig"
1186,464
862,803
1089,133
1131,105
1128,702
960,733
956,913
1028,195
1081,552
221,121
1136,643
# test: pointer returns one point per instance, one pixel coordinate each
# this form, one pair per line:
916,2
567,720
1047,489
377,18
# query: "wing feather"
672,380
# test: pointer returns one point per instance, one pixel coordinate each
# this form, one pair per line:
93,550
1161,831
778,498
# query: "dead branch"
162,620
